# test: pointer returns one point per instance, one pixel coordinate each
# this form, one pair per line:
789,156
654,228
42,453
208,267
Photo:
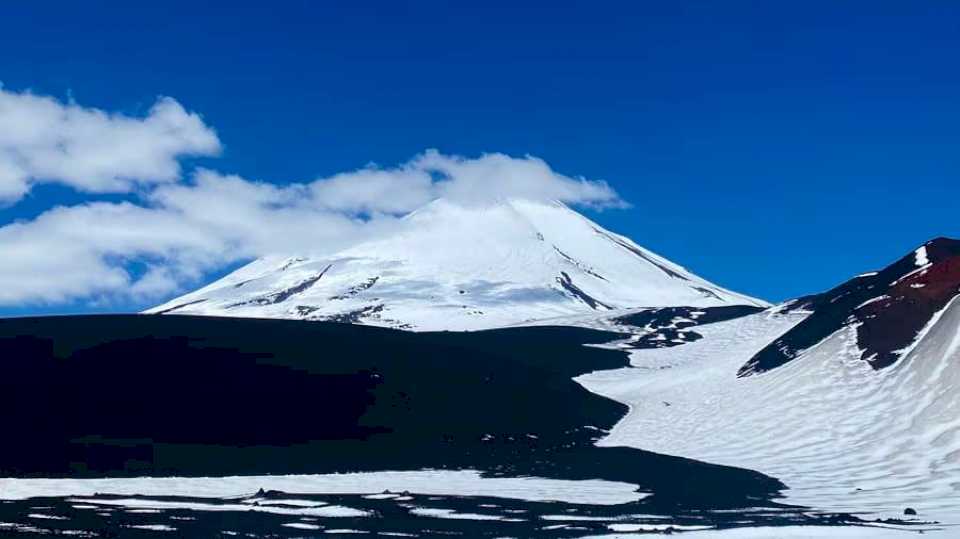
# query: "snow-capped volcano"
450,266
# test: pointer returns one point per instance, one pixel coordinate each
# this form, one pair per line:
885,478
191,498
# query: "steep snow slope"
886,308
843,432
841,435
453,267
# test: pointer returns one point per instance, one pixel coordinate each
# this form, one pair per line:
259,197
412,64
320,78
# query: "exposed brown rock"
889,307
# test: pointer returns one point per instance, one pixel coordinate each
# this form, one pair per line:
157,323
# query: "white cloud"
373,190
181,232
482,180
45,140
174,232
497,176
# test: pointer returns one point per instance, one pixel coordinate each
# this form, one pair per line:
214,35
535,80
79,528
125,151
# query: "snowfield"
439,482
450,267
841,435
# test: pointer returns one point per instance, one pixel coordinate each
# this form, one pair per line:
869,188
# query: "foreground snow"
842,436
438,482
462,268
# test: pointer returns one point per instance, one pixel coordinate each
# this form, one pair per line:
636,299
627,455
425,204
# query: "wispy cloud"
46,140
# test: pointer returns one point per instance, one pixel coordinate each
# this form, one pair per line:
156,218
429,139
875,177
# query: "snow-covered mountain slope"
453,267
843,431
887,309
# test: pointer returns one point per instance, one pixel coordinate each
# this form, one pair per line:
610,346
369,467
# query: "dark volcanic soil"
673,326
94,396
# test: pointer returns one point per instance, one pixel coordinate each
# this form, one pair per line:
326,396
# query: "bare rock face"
889,309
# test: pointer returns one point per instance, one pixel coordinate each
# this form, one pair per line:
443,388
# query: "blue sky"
775,149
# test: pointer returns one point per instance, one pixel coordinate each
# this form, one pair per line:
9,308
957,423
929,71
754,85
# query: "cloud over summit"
482,180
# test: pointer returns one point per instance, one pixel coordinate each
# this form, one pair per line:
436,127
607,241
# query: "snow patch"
437,482
301,526
450,513
152,527
873,300
326,511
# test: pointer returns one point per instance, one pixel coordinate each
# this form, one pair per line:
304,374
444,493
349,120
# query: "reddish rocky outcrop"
889,308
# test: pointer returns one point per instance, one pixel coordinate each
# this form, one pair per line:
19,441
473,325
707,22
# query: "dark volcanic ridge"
278,514
673,326
888,308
